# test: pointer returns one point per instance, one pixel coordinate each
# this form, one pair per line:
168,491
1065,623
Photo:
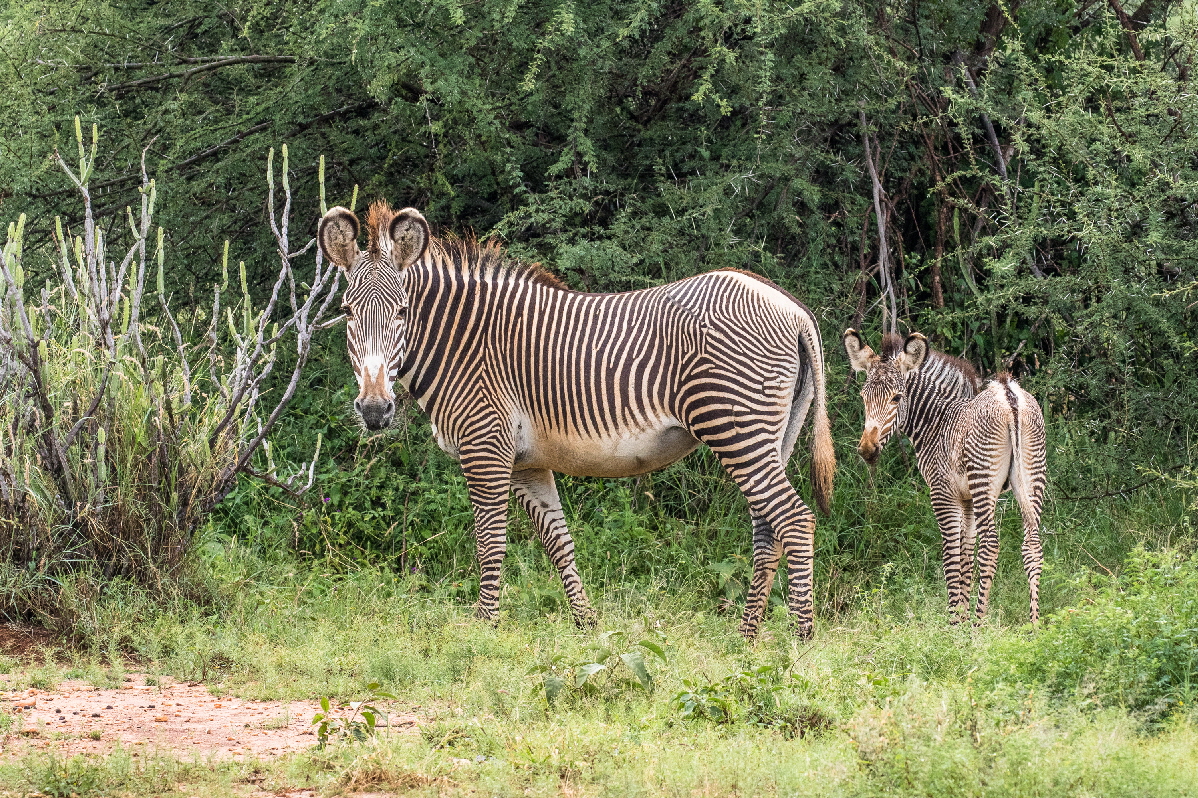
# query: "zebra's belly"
629,453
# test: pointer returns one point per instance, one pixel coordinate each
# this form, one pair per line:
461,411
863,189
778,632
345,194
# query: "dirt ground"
179,718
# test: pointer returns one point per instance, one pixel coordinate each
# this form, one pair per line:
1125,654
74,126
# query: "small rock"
160,719
95,714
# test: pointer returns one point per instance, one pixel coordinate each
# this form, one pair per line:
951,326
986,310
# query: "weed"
76,777
593,675
354,720
753,697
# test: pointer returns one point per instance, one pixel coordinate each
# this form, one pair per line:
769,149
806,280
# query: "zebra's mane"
469,255
466,253
952,374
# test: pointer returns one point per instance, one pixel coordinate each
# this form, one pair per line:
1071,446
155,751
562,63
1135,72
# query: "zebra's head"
375,300
883,389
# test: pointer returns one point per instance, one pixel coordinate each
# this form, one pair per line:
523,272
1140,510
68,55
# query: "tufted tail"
823,455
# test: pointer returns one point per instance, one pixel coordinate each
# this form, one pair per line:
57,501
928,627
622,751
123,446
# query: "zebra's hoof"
586,619
487,614
748,631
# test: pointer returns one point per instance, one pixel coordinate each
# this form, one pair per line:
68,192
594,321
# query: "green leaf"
654,647
588,670
636,663
324,704
553,686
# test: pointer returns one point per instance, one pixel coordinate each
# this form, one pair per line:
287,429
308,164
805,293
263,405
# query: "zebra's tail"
823,455
1028,449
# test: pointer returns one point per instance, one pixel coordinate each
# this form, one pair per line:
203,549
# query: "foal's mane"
948,371
466,253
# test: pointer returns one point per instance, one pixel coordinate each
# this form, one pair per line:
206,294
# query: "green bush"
1134,644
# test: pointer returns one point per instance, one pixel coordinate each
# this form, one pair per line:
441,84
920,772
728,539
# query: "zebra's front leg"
488,473
767,552
951,518
537,492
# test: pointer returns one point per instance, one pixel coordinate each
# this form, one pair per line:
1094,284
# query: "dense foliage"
1035,159
1017,179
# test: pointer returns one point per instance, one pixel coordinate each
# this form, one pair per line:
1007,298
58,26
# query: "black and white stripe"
970,445
522,377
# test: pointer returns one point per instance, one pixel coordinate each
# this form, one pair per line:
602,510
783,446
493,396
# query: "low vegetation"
185,489
887,700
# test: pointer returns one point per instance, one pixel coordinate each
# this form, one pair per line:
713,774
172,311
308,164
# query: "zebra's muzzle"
868,448
375,413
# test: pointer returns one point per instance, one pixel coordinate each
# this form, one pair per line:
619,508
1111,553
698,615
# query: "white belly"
632,452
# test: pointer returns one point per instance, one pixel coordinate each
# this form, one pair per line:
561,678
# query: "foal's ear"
860,355
915,352
409,237
337,236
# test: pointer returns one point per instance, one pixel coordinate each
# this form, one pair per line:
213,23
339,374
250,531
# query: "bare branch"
890,320
206,67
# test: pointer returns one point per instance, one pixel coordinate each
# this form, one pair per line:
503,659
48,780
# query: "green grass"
889,699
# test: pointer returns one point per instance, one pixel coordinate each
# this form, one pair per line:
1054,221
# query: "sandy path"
177,717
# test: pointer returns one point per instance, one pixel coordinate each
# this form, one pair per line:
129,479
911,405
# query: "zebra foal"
969,446
521,377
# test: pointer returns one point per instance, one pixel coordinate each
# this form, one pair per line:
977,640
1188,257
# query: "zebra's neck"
931,395
458,294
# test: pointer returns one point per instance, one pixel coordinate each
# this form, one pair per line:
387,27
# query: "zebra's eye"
897,398
348,311
401,313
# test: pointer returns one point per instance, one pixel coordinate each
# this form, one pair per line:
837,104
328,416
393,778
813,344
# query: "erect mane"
378,222
466,253
469,254
951,372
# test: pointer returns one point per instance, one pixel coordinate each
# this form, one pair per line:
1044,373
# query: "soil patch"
180,718
24,642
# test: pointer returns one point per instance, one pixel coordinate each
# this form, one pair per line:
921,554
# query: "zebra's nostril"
358,406
389,409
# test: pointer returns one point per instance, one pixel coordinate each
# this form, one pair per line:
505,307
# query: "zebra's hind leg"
537,492
767,553
771,497
1027,483
984,504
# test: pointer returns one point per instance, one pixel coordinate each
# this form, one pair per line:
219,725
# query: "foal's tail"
1028,476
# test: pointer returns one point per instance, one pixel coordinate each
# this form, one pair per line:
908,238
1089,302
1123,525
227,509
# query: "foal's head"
884,379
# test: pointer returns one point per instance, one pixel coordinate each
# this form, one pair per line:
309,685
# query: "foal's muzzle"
868,448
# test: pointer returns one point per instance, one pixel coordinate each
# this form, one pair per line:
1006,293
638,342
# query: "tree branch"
1126,23
207,67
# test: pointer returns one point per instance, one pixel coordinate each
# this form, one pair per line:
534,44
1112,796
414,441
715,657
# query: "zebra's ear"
915,352
409,237
337,235
860,355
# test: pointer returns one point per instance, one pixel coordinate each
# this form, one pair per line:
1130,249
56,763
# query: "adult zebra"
522,377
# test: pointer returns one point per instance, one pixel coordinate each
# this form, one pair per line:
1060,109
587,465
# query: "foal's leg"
951,518
537,492
1028,480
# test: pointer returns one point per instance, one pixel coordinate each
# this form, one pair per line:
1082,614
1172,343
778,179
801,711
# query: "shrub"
120,432
1135,644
